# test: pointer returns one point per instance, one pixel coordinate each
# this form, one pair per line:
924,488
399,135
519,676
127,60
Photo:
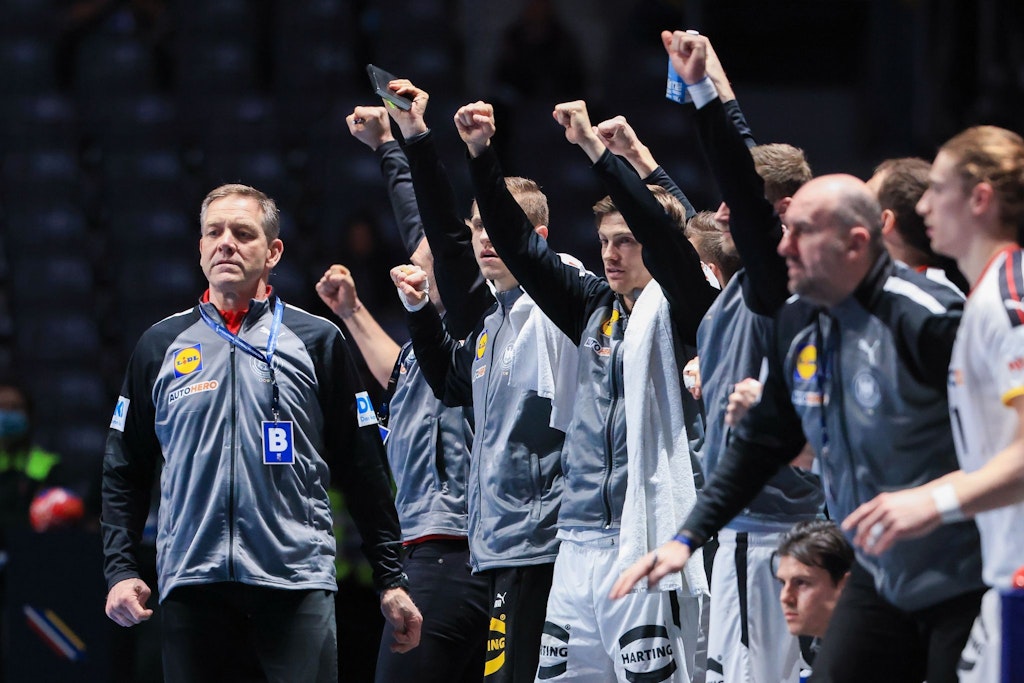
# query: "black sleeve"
934,347
130,464
357,460
767,438
395,169
661,178
739,122
668,255
463,289
446,364
755,227
566,295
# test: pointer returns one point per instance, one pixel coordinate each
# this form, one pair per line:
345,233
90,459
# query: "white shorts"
748,641
980,660
587,637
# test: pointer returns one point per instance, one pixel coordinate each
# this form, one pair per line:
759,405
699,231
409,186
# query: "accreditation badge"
278,446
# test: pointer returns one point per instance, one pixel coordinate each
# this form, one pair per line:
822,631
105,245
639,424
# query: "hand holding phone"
380,79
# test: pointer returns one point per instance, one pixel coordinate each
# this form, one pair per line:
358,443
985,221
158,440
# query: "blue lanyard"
824,374
266,357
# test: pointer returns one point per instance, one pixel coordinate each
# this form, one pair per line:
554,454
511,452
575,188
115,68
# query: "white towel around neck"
660,491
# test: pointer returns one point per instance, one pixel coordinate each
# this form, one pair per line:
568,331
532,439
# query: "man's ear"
717,272
542,230
982,198
782,206
841,583
276,250
858,239
888,221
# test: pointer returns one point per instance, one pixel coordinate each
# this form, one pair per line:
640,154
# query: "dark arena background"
117,116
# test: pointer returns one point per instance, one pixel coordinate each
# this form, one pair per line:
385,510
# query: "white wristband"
412,308
702,92
948,504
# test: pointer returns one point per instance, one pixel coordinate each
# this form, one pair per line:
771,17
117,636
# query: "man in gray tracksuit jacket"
246,407
427,443
583,637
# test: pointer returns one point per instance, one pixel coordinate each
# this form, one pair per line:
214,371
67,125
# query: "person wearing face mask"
25,468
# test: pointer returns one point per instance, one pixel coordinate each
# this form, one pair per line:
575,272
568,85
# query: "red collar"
233,319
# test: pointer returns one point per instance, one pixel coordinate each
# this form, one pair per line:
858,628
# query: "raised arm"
463,290
755,227
446,364
564,292
337,289
620,138
372,127
668,255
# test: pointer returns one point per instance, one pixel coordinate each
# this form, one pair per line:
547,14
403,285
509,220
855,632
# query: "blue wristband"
685,540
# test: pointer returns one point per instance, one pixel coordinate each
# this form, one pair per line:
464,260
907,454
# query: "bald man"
859,366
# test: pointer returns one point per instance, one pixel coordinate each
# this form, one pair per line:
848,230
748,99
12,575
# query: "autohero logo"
495,646
646,653
188,360
595,346
197,388
554,651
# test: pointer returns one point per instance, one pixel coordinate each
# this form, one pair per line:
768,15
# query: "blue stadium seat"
50,237
27,66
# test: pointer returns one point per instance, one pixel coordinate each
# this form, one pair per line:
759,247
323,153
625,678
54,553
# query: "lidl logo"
188,360
609,325
807,362
481,345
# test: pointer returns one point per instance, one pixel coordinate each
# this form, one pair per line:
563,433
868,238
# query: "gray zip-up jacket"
192,404
733,342
515,476
865,380
590,313
428,448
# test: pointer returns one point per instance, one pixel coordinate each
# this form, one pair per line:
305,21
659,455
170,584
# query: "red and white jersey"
986,372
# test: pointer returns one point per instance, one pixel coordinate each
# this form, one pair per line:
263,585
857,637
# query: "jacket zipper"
231,479
606,485
836,394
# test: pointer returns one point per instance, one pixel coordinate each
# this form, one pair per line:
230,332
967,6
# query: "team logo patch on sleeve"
120,414
364,410
188,360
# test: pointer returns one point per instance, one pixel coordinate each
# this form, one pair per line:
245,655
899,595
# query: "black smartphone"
380,79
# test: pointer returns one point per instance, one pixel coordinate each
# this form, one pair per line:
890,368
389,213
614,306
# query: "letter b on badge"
277,443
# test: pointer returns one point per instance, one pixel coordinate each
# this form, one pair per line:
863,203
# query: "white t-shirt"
985,373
